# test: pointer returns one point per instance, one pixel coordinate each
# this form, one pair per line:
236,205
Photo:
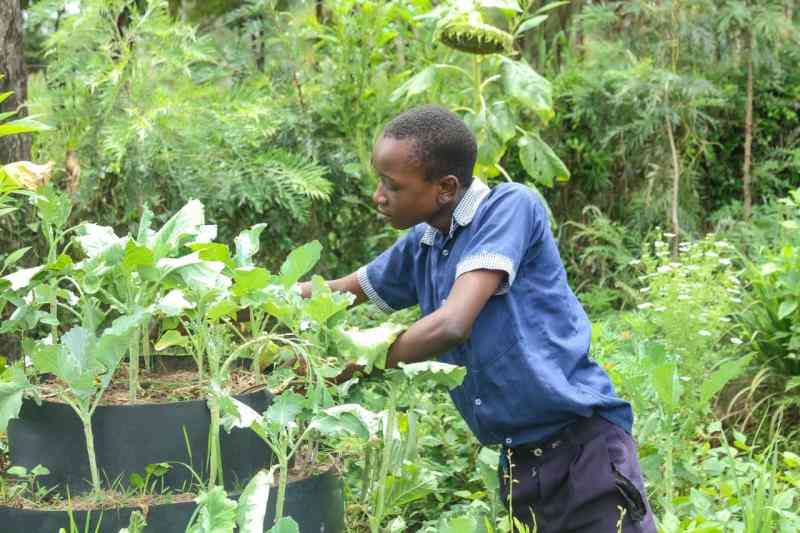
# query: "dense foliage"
664,136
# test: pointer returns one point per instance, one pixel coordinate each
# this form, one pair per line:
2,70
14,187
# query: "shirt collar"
464,211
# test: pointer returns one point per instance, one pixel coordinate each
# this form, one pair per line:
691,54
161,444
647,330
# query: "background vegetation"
672,181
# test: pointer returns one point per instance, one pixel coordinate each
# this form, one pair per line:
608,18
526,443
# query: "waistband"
577,433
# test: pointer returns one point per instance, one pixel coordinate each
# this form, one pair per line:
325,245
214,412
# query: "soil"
167,382
101,501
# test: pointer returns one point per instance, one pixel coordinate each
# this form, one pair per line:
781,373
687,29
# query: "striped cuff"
369,290
489,261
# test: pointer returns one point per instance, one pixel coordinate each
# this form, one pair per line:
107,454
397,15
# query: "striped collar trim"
464,211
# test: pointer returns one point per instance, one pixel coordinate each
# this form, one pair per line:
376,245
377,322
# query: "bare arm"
348,283
450,325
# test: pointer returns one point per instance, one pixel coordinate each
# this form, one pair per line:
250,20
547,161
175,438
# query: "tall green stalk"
386,458
86,420
133,367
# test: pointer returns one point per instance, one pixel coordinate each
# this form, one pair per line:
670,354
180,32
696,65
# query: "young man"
484,268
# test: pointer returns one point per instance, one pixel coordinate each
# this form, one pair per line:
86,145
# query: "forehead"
392,156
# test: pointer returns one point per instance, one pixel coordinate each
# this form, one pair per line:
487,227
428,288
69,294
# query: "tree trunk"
15,79
748,133
676,175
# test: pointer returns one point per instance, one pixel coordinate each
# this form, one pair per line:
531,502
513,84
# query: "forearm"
427,338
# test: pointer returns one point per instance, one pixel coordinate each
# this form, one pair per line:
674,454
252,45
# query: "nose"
379,197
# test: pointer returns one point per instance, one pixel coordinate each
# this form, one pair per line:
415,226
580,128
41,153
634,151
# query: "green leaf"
217,514
300,261
721,376
324,303
285,408
451,376
533,22
502,121
351,419
551,6
52,207
417,84
459,524
95,240
11,393
213,251
253,503
247,245
220,308
204,276
15,256
786,308
136,256
169,339
185,223
528,88
368,347
249,279
235,414
665,383
285,525
540,162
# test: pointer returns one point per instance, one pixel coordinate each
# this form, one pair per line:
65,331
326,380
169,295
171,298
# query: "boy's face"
403,195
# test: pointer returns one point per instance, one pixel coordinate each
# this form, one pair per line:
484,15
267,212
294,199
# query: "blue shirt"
528,368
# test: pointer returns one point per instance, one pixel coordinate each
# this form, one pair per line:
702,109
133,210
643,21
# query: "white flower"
669,235
646,305
660,308
712,254
724,319
664,269
724,261
634,262
736,340
704,333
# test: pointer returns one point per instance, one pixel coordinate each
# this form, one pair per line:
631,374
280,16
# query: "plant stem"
214,458
146,344
476,80
133,367
86,419
283,477
388,436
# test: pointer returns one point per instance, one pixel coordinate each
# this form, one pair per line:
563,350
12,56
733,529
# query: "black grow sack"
316,504
127,438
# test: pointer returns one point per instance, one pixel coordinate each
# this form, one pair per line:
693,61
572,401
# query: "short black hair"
443,144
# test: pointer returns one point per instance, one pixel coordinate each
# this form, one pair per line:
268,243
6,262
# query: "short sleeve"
388,280
509,226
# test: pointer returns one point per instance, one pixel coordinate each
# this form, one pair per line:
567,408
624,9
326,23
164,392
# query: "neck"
443,218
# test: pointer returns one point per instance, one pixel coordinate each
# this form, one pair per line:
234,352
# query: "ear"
449,187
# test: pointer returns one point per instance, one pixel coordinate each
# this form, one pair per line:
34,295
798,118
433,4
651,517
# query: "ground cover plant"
678,115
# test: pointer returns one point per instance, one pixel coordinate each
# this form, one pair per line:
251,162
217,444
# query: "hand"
305,289
347,373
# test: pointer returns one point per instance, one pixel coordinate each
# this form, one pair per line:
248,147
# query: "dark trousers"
583,480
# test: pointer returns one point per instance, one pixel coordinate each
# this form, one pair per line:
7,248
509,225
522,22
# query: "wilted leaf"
29,175
95,240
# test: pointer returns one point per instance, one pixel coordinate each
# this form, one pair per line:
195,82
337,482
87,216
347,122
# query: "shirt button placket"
478,402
